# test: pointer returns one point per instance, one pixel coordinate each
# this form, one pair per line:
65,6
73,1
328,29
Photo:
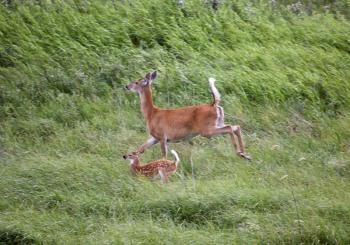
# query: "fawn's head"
141,84
131,156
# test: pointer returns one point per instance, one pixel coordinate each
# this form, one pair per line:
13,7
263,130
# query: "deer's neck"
147,103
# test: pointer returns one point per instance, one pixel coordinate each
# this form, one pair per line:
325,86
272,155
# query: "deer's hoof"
244,156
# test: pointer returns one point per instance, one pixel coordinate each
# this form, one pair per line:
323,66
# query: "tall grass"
65,122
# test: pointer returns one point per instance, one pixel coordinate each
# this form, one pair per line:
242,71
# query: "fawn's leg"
163,175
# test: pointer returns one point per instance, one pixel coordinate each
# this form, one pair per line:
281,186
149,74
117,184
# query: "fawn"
162,167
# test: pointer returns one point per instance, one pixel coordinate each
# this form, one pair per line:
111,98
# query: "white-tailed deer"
162,167
171,125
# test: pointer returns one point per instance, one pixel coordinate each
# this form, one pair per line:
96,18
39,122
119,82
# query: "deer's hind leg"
238,132
234,131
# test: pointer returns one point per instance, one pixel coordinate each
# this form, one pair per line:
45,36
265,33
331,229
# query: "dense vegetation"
283,69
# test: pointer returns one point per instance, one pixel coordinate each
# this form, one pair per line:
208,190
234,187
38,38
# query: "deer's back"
186,122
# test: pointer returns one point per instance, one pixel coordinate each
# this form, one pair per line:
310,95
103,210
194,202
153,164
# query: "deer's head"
139,85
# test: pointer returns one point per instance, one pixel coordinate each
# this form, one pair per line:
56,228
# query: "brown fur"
182,123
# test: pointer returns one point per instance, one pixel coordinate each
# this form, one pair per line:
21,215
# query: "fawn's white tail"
177,159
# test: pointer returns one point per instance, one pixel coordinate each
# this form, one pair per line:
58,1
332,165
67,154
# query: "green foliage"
91,48
65,122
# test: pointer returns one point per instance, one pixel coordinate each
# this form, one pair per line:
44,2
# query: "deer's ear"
148,76
154,75
151,75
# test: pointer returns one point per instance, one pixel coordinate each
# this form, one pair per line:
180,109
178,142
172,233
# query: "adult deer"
171,125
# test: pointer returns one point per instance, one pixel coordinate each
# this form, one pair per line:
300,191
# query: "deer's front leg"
164,146
151,141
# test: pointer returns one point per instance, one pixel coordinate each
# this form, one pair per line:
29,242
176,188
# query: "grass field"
66,121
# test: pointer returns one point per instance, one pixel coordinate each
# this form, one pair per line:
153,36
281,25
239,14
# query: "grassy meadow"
66,120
